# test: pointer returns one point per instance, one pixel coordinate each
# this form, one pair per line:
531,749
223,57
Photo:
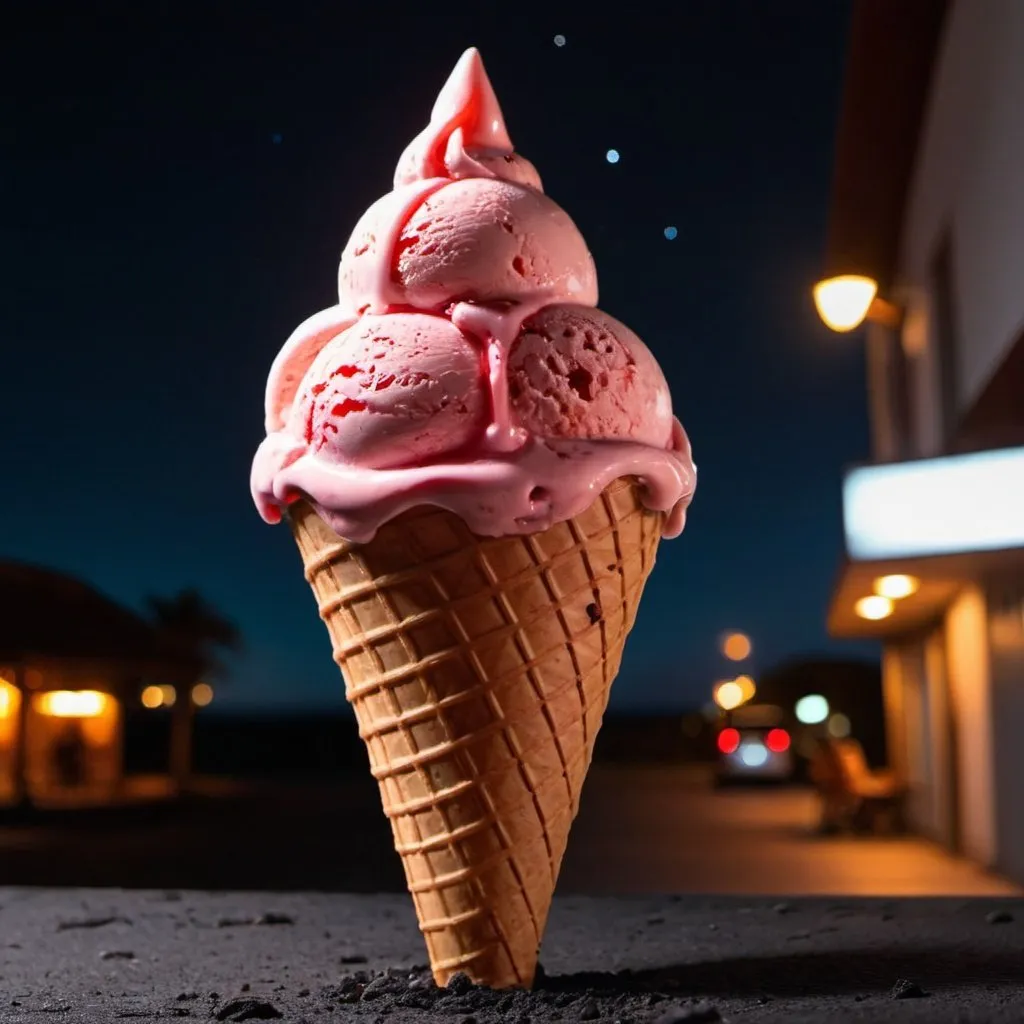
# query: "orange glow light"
736,646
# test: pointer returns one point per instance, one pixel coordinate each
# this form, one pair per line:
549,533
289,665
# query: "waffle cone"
479,670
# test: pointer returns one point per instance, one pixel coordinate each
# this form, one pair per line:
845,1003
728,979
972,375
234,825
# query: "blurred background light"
811,709
152,697
839,726
612,156
843,302
736,646
949,505
202,694
729,695
896,586
874,607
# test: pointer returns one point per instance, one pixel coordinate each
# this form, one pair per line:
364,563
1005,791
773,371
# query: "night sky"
177,190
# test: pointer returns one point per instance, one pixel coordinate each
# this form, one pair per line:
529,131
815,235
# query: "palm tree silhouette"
198,630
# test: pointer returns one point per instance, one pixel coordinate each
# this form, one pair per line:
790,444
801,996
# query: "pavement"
644,830
664,830
94,956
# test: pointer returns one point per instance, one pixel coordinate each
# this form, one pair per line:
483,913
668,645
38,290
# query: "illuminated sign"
950,505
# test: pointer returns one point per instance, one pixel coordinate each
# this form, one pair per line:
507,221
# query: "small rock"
353,958
588,1010
460,983
698,1013
998,917
783,908
92,922
248,1009
656,919
117,954
272,918
303,992
246,987
468,1020
906,989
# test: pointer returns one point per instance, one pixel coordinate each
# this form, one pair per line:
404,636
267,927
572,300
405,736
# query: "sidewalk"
755,841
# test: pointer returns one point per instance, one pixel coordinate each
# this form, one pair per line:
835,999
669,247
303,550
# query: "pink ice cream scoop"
390,391
465,365
577,372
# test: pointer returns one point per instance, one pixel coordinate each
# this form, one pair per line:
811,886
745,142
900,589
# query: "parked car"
755,745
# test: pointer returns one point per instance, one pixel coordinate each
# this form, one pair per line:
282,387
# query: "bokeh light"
612,156
152,697
729,695
874,607
896,586
812,709
747,687
839,726
559,40
169,694
844,301
671,232
202,694
736,646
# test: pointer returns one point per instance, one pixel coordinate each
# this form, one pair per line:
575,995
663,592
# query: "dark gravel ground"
105,955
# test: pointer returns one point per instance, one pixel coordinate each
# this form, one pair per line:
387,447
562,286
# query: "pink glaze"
374,408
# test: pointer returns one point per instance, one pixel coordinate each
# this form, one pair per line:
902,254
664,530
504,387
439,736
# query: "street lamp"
844,302
729,695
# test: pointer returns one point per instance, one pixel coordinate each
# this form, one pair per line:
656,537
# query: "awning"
940,579
946,521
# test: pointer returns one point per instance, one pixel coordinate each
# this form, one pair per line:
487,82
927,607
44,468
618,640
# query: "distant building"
928,201
71,664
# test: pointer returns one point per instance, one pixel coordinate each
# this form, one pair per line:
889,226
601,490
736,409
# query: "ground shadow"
807,974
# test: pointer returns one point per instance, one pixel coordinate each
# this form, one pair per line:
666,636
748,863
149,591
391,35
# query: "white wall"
969,178
971,695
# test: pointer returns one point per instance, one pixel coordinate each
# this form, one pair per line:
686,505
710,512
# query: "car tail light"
777,741
729,741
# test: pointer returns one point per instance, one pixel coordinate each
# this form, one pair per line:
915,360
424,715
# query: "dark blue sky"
177,190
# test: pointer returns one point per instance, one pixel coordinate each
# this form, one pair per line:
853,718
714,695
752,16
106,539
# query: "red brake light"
729,740
777,741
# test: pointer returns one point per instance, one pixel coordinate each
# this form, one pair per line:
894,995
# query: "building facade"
928,201
73,664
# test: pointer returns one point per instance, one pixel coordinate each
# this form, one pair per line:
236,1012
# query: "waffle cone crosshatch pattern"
479,671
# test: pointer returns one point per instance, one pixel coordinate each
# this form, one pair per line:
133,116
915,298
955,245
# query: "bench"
854,797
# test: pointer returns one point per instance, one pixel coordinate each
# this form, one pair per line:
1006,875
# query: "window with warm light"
71,703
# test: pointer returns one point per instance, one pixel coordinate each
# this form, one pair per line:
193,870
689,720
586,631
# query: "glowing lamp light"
896,586
777,741
202,694
729,741
729,695
843,302
152,697
736,646
72,703
6,700
169,694
874,607
812,709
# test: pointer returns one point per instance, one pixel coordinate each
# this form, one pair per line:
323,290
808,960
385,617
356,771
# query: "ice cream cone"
479,670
